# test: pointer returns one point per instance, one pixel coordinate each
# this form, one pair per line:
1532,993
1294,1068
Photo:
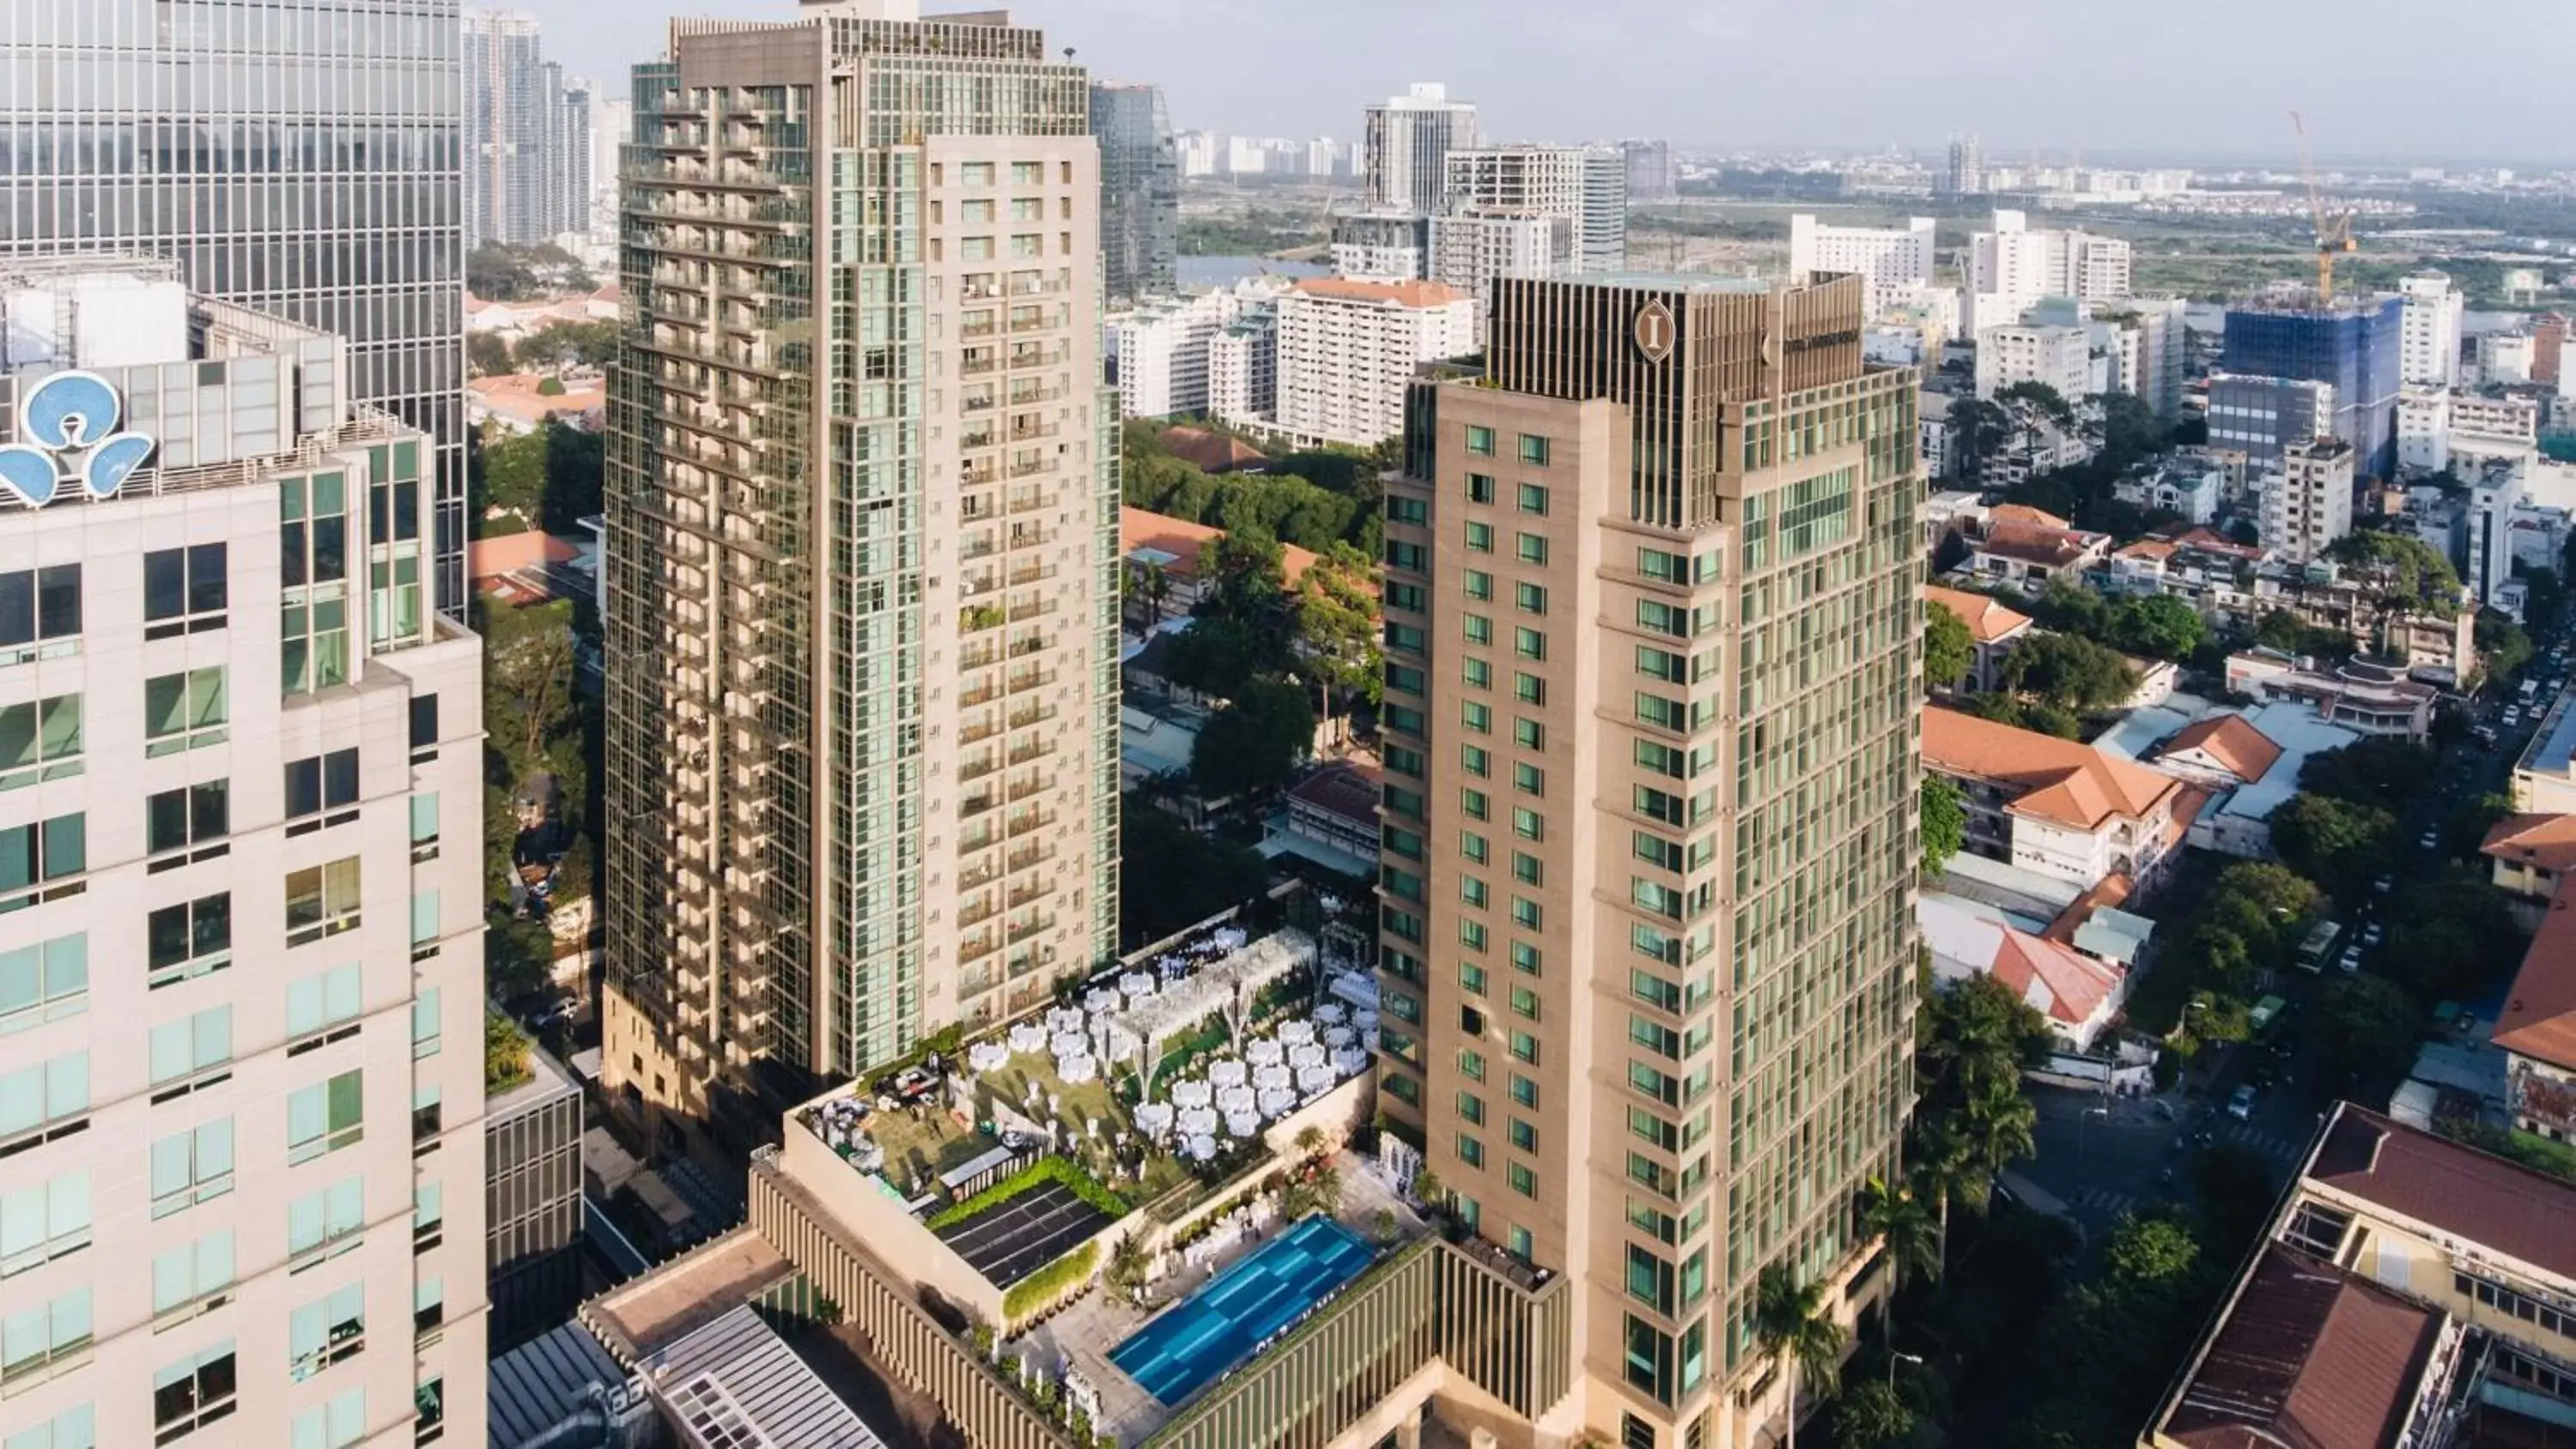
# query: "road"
2103,1157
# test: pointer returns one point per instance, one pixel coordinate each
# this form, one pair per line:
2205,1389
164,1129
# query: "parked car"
2240,1103
2371,933
2380,885
2350,961
2430,840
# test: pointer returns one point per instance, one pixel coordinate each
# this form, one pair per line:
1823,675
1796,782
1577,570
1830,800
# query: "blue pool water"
1220,1325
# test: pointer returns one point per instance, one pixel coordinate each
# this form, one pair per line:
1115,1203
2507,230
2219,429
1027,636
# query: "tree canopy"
1949,650
1253,745
2071,672
1945,823
2404,571
2389,774
2335,843
1171,877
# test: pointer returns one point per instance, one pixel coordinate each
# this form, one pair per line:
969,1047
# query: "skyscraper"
1587,186
527,136
1140,191
2356,345
1966,174
862,553
2429,329
2013,266
317,183
1650,171
1406,147
1653,614
241,930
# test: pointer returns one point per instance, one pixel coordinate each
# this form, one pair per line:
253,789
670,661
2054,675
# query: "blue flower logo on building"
68,422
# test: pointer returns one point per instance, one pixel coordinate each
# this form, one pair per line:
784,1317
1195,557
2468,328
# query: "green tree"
2069,672
2150,1252
2335,843
574,464
1337,627
2503,648
1978,430
2466,827
1792,1327
1945,823
487,354
2366,1021
513,467
563,344
505,1053
1871,1415
1949,650
1128,1261
1974,1036
528,662
1899,1219
1252,746
1171,877
1246,569
2161,626
1214,656
2388,774
2280,629
2070,608
2002,1127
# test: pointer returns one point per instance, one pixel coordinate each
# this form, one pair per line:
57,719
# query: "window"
321,783
179,820
1472,977
39,853
1525,1047
44,1094
1480,537
317,1003
321,901
424,925
47,981
1529,643
1471,891
1529,779
184,590
192,1167
1533,498
325,1117
1524,1091
424,1024
40,740
1471,1064
1028,173
194,1392
46,1338
1478,673
1524,1135
1471,934
1534,450
1480,441
1475,761
43,1221
426,1115
1477,717
320,1219
1525,1003
1526,823
1476,628
1529,734
1531,597
1470,1151
424,722
190,1049
197,1275
1528,688
37,608
73,1428
1480,488
1473,805
190,939
1523,1181
428,1306
335,1425
1526,869
1525,958
975,173
184,711
428,1216
1480,585
1472,846
1649,1366
1531,548
323,1333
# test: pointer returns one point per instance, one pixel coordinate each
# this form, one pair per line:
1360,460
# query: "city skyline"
1511,56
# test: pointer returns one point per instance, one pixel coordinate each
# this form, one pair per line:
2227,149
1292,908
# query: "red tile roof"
2039,543
2503,1207
1403,294
1210,452
487,558
2544,842
1182,539
1989,621
1349,791
2065,983
2539,1016
2024,513
2231,742
2308,1356
2063,781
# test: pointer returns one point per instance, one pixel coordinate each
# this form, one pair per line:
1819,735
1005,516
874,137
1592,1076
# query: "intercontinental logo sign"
67,431
1654,331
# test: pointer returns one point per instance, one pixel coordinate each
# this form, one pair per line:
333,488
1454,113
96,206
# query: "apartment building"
1243,370
527,136
1164,347
862,597
1140,191
2307,501
2013,266
241,1188
1653,615
1404,163
1586,186
1347,349
2430,330
1469,249
2057,358
1891,262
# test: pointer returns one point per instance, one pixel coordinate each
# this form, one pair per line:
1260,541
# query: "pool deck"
1085,1334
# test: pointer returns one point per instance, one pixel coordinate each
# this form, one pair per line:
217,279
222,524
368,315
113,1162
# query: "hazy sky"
2201,77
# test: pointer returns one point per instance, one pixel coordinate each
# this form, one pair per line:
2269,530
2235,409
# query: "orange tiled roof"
2546,842
2539,1016
487,558
1403,294
2154,548
2112,891
2038,543
2067,984
1989,621
2232,741
515,395
2024,513
2063,781
1210,452
1182,539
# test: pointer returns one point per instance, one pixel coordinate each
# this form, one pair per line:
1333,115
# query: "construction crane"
2334,233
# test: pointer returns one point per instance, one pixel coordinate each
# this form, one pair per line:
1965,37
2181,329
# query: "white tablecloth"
1264,1053
1235,1099
1296,1033
1192,1093
1202,1147
1242,1124
1276,1101
1227,1074
1317,1078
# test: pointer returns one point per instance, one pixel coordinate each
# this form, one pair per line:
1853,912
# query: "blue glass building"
2353,345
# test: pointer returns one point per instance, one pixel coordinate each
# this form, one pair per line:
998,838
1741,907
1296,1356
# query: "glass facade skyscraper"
1140,192
2355,345
297,157
527,137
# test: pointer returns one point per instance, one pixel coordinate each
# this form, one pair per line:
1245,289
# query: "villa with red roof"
2059,807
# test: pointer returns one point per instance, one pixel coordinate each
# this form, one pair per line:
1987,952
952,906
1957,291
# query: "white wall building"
1382,246
1406,150
1347,349
2506,359
1894,262
1162,346
2494,496
2059,357
2430,346
2012,267
1586,185
2424,428
1243,369
241,930
2307,502
1470,249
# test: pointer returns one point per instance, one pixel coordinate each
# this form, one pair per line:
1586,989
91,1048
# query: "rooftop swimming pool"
1222,1323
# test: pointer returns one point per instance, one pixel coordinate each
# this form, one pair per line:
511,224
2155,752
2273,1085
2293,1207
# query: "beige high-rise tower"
1654,614
862,553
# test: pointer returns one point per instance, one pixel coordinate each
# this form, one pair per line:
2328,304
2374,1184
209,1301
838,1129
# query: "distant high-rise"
1966,175
310,174
2354,344
862,695
1140,191
2013,266
1409,139
1653,620
1650,172
527,138
2431,329
1587,186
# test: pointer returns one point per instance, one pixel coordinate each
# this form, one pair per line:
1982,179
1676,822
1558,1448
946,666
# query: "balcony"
1027,788
1033,820
1035,679
975,805
1032,501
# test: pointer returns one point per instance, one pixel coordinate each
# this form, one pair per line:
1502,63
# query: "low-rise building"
1169,554
2537,1027
2544,779
2374,699
2079,994
2532,855
2307,499
1335,808
2028,555
2055,806
1993,626
2190,488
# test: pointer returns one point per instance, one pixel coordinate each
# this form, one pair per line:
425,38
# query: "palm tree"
1944,1170
1127,1263
1791,1324
2001,1124
1897,1217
